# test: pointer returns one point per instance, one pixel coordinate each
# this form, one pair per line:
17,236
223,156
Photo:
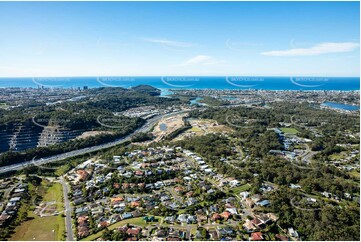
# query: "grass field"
355,174
4,106
61,170
337,156
289,130
195,129
43,228
134,221
242,188
54,193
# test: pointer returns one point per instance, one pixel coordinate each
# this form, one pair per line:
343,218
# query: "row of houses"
12,205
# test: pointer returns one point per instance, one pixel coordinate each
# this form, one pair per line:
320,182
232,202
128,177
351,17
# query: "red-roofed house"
139,173
189,194
82,174
256,222
179,189
225,215
103,224
256,236
82,219
215,217
135,204
115,200
134,231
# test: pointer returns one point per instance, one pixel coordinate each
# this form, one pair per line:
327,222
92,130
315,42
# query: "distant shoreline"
195,82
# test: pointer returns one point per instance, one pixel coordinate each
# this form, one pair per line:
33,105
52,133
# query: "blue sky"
179,38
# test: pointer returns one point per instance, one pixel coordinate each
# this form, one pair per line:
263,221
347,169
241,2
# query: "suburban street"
67,208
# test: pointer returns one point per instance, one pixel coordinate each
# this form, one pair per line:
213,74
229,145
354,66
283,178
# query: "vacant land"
44,228
4,106
355,174
195,129
289,130
54,193
338,156
203,127
92,133
167,126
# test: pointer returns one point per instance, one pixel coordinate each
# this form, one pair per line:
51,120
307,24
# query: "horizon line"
180,76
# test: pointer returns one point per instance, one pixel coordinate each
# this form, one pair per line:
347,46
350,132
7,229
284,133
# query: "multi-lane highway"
149,124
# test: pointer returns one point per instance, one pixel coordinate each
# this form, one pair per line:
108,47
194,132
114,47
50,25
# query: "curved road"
73,153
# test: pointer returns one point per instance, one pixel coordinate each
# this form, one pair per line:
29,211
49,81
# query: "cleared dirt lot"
202,127
167,126
92,133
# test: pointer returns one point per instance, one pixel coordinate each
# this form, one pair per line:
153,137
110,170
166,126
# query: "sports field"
289,130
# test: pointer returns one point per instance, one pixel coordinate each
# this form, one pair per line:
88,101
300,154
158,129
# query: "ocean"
187,82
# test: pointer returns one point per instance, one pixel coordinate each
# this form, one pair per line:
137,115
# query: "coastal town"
16,97
180,120
167,192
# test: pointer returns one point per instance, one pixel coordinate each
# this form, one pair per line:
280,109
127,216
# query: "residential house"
213,235
256,236
127,215
233,211
263,203
82,175
234,183
226,215
191,201
293,233
281,237
216,217
169,219
249,226
134,232
116,200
